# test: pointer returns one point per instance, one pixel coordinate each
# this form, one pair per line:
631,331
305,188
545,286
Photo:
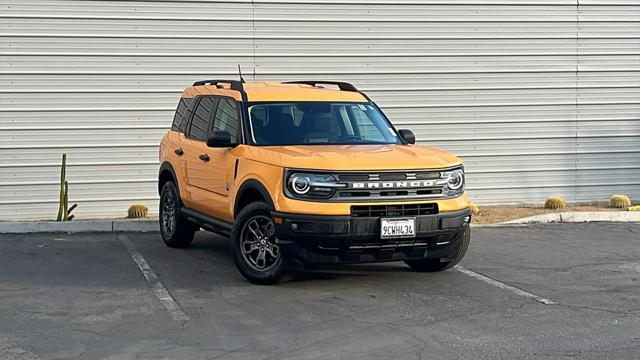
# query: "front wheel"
433,265
253,245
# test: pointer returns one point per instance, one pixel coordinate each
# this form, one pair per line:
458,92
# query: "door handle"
204,157
178,151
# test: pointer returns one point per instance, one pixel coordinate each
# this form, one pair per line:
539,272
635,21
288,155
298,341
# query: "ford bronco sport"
298,173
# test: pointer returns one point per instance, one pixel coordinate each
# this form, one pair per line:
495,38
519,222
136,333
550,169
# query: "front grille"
389,185
390,176
393,210
353,177
399,193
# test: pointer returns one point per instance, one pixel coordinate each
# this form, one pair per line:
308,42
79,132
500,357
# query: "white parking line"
504,286
161,292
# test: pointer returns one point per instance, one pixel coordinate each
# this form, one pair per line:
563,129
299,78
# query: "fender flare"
167,167
252,184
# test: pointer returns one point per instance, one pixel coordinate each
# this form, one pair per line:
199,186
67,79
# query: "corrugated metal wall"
539,97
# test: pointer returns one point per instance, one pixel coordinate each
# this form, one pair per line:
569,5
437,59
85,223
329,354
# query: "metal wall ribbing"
538,97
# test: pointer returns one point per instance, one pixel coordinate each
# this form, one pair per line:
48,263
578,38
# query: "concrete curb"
577,217
76,226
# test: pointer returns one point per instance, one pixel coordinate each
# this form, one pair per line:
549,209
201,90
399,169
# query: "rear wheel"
177,232
433,265
253,245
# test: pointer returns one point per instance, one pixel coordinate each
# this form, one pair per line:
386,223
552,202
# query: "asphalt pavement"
550,291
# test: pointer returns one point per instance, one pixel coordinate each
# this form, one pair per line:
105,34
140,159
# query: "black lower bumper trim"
314,239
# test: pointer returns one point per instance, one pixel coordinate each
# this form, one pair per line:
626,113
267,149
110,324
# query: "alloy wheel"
168,213
258,245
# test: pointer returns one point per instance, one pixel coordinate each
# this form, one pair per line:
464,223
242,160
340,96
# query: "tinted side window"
182,115
227,117
179,115
201,117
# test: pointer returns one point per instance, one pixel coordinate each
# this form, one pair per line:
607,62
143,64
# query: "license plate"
397,227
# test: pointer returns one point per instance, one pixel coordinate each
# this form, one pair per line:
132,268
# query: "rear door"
196,165
176,138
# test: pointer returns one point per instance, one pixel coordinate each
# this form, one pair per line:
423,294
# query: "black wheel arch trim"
167,167
252,184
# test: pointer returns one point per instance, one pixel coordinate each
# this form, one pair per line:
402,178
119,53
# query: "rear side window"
227,117
202,116
181,116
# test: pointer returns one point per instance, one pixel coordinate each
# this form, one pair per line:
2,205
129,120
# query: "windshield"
319,123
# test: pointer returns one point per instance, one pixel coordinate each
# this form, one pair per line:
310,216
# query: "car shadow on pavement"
215,249
334,272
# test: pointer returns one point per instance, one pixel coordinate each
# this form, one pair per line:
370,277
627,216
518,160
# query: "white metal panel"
99,80
475,79
608,110
34,157
73,120
539,97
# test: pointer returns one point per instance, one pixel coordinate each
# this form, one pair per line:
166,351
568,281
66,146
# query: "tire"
253,247
177,232
434,265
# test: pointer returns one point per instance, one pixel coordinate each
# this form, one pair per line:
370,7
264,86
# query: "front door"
227,118
210,170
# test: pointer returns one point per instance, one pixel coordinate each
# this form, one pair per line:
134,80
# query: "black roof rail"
344,86
234,84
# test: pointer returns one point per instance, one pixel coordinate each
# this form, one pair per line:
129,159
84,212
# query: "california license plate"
397,227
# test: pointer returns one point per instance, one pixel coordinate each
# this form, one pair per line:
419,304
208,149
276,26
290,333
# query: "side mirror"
219,139
407,136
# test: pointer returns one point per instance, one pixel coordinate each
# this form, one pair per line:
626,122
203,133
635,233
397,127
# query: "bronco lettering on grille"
393,184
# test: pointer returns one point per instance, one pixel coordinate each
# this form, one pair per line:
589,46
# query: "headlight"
454,182
310,186
300,184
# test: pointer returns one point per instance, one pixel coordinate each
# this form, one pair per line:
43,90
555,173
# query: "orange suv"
307,172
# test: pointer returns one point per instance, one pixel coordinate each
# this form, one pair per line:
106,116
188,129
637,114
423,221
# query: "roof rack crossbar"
234,84
344,86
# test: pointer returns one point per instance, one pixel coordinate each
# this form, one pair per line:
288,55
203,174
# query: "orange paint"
212,187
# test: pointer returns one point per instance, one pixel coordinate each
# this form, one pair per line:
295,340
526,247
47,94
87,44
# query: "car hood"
353,157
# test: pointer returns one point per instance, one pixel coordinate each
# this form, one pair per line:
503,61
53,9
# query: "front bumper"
313,239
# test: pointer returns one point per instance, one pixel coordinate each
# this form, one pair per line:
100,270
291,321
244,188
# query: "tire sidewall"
271,276
462,249
434,265
184,230
169,188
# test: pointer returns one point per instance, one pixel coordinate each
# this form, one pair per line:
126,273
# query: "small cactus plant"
138,211
555,202
619,201
64,211
475,210
634,208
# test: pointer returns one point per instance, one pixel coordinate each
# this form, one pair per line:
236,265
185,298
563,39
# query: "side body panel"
267,175
204,182
209,183
171,142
